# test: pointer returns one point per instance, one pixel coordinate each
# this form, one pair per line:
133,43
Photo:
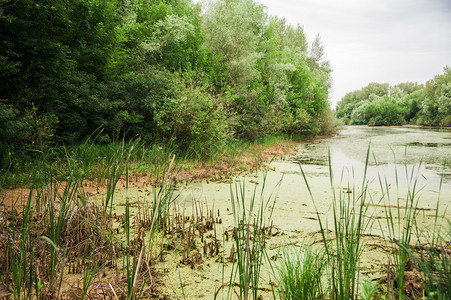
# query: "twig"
138,266
114,293
224,285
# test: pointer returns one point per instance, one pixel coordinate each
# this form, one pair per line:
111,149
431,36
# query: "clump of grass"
401,224
344,249
49,235
434,261
132,261
163,198
118,161
59,207
249,233
89,273
17,267
369,290
300,274
47,209
432,257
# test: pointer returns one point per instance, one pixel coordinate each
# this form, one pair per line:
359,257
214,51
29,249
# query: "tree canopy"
409,102
168,71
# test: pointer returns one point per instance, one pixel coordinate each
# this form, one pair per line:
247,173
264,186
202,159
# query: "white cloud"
375,41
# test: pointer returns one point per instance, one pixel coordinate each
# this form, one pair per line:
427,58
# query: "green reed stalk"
90,272
181,284
401,223
20,259
249,222
20,255
300,274
432,257
162,200
129,264
132,266
114,170
349,223
58,216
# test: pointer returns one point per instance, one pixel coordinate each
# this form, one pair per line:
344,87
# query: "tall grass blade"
249,221
343,251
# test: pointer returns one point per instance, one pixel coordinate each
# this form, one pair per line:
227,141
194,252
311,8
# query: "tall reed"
129,257
401,222
249,234
20,254
92,268
59,207
20,261
117,162
432,256
300,274
163,198
344,250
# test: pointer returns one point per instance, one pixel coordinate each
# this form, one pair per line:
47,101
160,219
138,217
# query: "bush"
421,120
446,121
384,111
195,121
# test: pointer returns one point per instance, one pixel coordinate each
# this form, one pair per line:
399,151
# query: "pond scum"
59,245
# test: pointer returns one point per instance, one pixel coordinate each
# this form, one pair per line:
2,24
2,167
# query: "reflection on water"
393,169
391,148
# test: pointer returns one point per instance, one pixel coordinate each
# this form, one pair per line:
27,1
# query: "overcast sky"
368,41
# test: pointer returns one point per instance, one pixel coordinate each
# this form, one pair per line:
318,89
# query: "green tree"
358,115
384,111
232,29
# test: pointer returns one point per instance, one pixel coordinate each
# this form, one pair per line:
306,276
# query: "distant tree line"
167,71
406,103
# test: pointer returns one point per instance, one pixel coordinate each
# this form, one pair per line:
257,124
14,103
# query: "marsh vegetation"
125,131
279,235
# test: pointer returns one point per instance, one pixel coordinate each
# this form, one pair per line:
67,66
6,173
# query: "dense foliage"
381,104
166,71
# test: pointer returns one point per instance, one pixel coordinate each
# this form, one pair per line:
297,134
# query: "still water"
400,160
391,147
393,160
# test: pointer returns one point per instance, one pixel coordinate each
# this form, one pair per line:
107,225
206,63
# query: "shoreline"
254,158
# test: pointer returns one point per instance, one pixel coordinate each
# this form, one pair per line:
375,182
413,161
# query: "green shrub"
421,120
195,121
446,121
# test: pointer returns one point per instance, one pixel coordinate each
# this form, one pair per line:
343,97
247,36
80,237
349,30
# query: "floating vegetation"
58,243
429,145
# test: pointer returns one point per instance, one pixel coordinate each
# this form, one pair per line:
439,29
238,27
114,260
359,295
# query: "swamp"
362,214
185,149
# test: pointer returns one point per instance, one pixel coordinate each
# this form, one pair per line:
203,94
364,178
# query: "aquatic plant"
344,249
132,261
115,169
163,198
401,223
369,290
433,260
300,274
17,267
249,234
431,256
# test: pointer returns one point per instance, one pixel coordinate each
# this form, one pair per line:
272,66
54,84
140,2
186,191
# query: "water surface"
401,159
